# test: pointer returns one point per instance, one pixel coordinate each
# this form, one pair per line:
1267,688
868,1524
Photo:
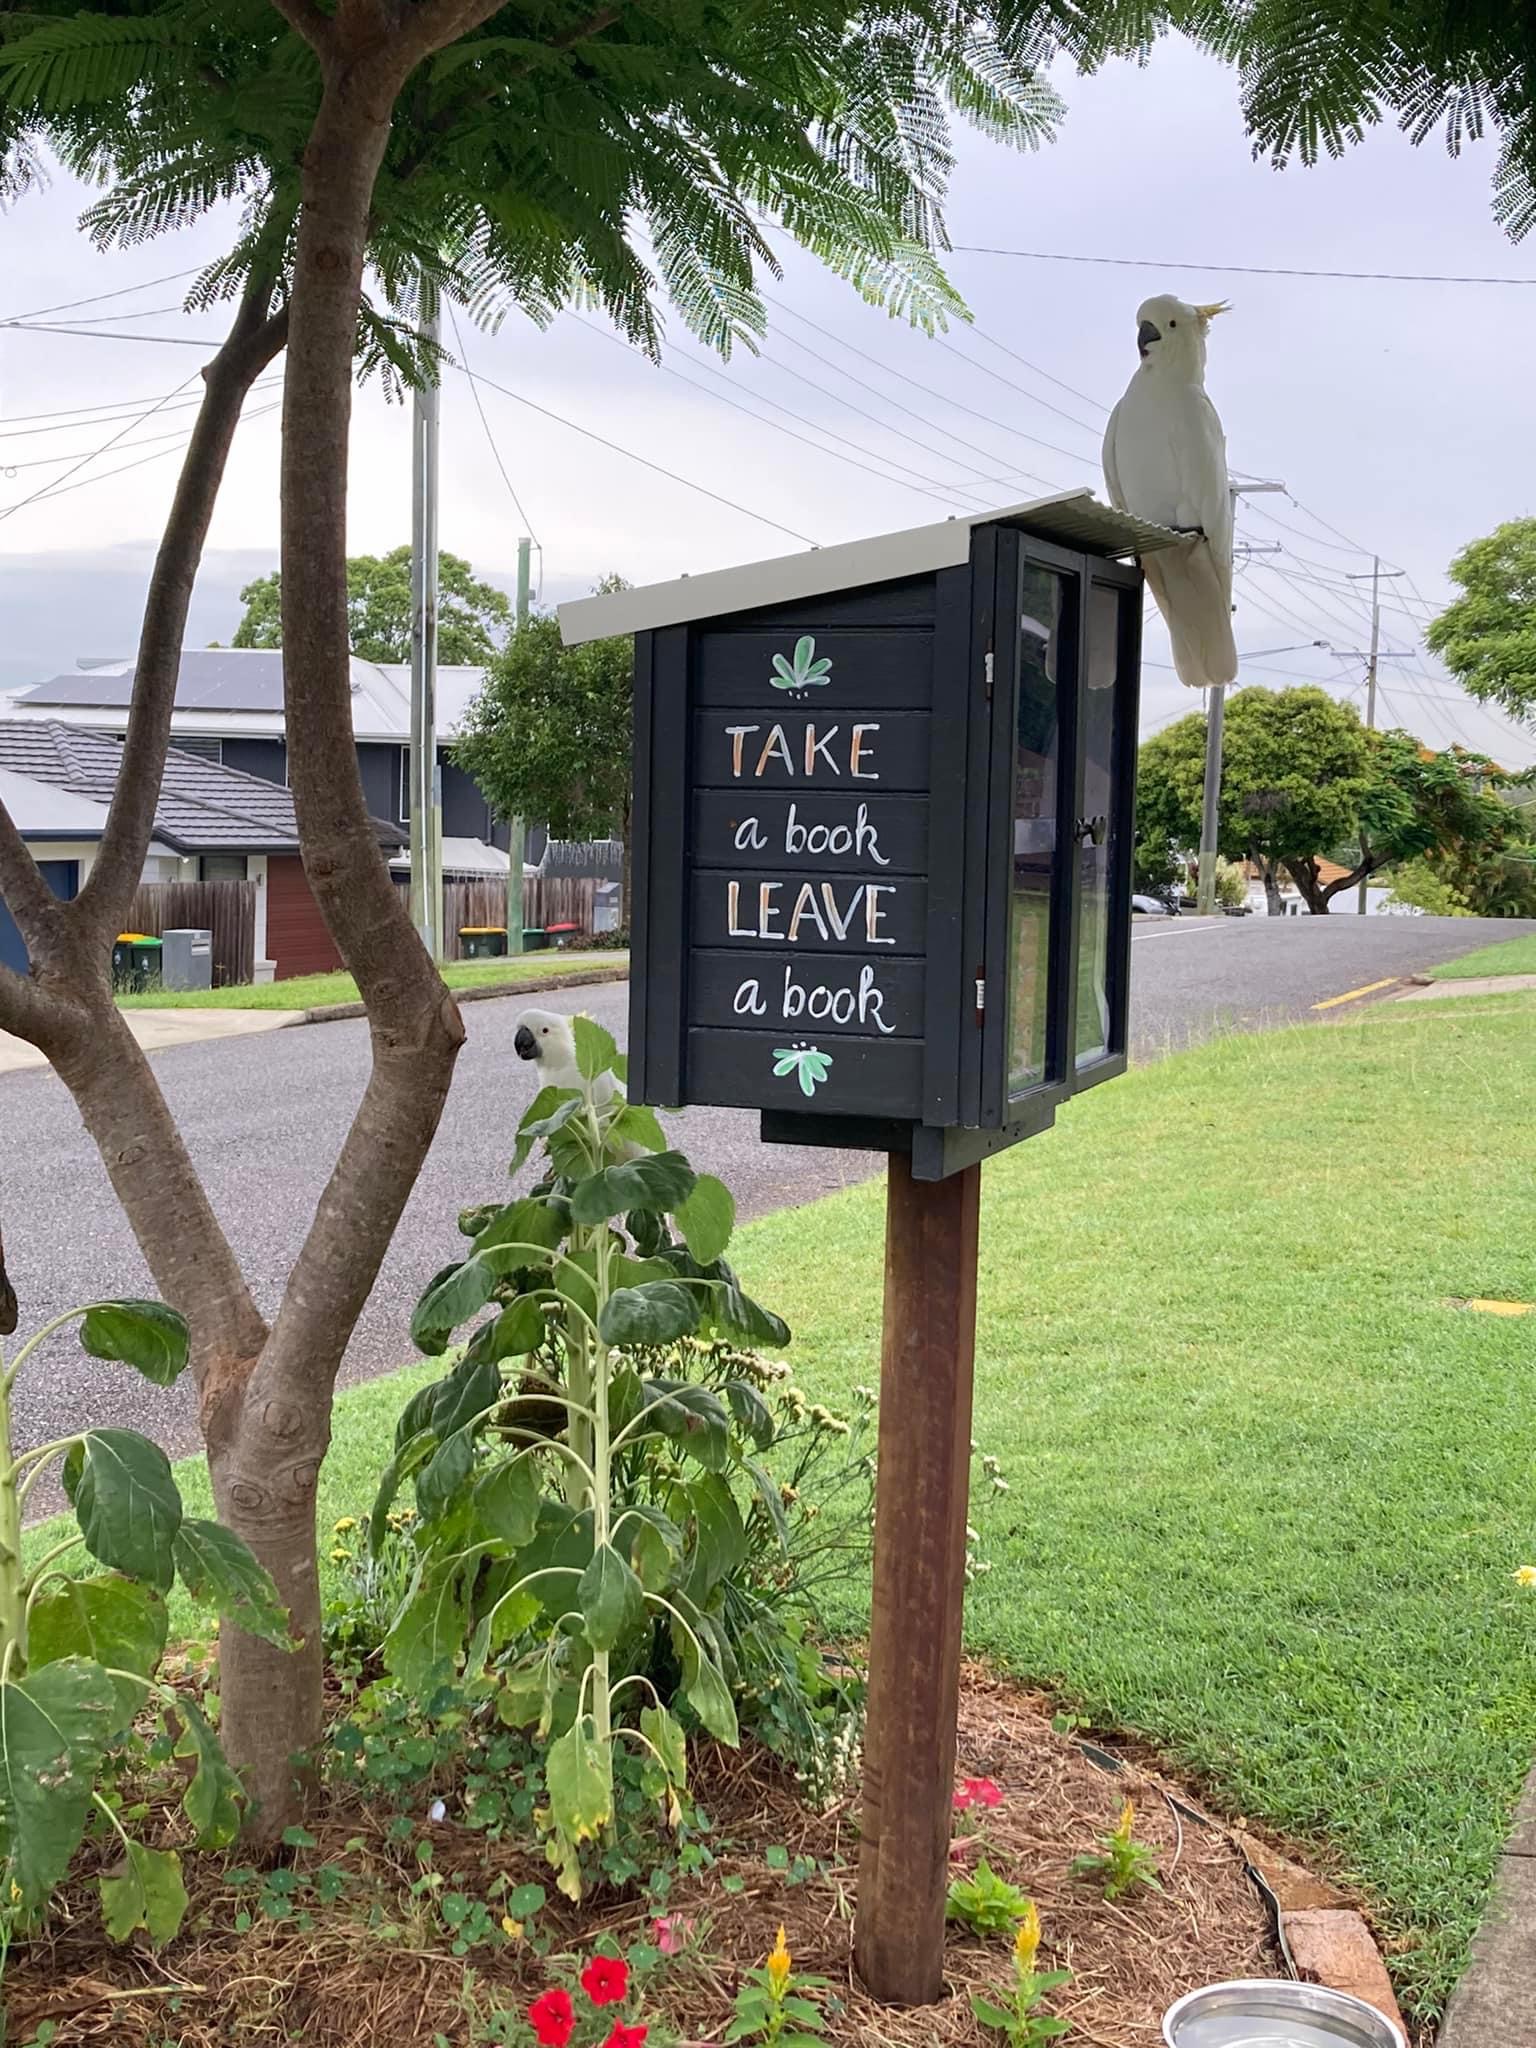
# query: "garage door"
63,878
296,935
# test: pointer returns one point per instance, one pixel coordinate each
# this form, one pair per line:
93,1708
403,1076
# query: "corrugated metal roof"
1074,519
203,807
40,810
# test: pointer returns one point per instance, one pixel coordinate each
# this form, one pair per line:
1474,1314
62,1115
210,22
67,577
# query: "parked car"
1153,906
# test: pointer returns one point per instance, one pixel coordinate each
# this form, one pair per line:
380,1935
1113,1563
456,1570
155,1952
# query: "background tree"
627,154
1487,636
549,734
473,617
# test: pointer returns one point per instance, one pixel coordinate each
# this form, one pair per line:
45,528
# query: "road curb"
1494,2005
341,1013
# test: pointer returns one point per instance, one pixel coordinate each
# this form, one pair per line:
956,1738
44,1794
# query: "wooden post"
921,1498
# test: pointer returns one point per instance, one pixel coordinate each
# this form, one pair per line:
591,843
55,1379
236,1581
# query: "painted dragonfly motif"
805,672
807,1063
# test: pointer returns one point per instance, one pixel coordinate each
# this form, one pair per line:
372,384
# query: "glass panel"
1043,598
1097,851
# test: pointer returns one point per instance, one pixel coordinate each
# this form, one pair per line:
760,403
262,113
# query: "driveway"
263,1117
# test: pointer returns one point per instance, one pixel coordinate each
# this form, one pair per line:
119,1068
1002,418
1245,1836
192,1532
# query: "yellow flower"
1127,1820
340,1556
512,1929
1526,1576
1027,1940
16,1893
346,1525
779,1966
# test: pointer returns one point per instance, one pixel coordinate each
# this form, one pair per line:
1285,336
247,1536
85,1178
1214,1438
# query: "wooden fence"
227,909
546,901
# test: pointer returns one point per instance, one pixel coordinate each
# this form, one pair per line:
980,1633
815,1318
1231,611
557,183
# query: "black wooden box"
883,829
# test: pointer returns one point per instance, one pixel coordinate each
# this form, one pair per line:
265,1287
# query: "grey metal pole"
425,775
1205,890
1370,674
517,838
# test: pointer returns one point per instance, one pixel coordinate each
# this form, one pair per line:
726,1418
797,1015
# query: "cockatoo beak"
1146,334
524,1044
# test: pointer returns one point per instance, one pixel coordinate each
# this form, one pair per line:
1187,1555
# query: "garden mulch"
338,1984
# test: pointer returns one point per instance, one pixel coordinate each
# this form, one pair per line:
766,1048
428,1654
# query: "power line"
67,423
100,298
474,393
61,488
1023,390
104,319
53,461
95,334
644,460
1234,269
1071,389
53,490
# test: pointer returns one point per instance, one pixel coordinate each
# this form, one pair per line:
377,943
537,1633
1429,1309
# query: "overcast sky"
1402,415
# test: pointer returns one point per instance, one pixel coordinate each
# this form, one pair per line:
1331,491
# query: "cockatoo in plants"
1165,459
546,1036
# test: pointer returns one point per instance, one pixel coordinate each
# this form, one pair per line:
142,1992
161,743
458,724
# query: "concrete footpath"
1472,985
1494,2005
156,1029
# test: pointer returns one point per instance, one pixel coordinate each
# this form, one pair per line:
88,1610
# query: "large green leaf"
694,1417
704,1684
126,1503
576,1280
55,1725
752,1412
119,1623
595,1048
457,1293
636,1125
144,1334
548,1111
518,1329
657,1313
506,1501
579,1776
720,1538
446,1472
707,1218
213,1798
529,1221
217,1569
658,1181
429,1631
611,1598
409,1458
465,1394
655,1546
737,1316
144,1890
670,1743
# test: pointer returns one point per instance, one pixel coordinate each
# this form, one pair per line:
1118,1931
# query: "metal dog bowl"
1272,2013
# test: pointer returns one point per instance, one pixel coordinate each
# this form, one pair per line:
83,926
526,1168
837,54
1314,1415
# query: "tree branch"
27,896
255,339
305,18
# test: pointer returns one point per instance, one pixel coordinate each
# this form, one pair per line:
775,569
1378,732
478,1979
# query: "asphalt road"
265,1115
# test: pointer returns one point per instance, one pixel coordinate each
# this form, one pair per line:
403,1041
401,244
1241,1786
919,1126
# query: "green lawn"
1515,956
1267,1488
311,991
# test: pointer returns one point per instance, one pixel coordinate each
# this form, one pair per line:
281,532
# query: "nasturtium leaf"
751,1412
409,1458
144,1334
213,1797
707,1218
720,1538
657,1313
524,1900
578,1774
595,1048
217,1569
445,1473
125,1500
119,1623
610,1597
531,1221
637,1125
506,1502
144,1890
658,1180
457,1293
654,1544
670,1742
538,1119
427,1634
55,1725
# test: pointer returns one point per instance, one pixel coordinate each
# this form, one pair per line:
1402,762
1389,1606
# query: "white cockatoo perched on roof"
1165,459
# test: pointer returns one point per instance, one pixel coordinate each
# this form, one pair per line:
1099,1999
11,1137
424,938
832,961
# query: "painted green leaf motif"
659,1181
805,653
595,1048
805,671
144,1334
55,1725
707,1218
610,1598
144,1891
118,1622
809,1065
671,1744
579,1777
125,1500
658,1313
217,1569
213,1797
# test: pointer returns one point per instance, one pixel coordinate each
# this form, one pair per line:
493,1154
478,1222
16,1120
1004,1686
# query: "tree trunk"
1272,896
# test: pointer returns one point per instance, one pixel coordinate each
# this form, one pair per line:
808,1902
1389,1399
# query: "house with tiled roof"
213,823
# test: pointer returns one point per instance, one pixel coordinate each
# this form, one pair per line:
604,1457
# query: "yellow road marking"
1354,994
1504,1308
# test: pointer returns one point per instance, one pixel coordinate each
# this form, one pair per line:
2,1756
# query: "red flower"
553,2017
605,1980
626,2037
977,1792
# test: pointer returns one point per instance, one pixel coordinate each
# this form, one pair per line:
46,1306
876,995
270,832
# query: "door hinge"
989,675
981,997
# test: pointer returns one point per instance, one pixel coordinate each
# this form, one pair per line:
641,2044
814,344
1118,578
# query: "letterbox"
883,825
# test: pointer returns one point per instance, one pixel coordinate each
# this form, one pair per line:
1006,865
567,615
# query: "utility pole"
1375,655
1215,717
517,836
425,780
